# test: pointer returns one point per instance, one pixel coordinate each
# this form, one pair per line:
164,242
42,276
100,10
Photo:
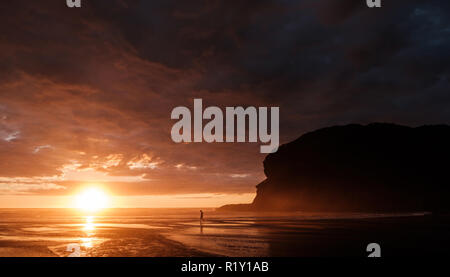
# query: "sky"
86,94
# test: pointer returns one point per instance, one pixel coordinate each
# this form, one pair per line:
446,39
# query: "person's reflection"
201,222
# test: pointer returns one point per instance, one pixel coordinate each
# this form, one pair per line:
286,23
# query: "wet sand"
179,233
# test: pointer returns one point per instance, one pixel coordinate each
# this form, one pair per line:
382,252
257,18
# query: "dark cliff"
378,167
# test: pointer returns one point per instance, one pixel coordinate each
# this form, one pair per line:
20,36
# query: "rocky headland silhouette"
378,167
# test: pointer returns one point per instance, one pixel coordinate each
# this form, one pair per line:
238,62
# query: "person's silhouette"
201,221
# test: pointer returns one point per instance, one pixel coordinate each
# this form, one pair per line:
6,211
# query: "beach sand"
179,233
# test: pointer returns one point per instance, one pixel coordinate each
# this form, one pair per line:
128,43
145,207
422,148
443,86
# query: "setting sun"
92,200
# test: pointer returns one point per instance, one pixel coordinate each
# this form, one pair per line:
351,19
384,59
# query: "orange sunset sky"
86,94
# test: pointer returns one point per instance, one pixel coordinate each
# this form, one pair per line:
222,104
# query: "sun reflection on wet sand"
86,242
89,225
89,228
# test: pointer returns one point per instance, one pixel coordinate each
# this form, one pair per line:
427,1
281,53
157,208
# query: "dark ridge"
379,167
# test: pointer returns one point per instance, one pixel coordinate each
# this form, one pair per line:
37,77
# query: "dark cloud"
97,84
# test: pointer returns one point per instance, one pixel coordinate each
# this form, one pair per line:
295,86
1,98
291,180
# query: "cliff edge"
373,168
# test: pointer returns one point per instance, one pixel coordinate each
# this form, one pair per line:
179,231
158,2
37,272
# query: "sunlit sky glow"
86,94
145,201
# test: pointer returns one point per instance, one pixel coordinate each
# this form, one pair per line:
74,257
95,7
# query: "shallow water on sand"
179,232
